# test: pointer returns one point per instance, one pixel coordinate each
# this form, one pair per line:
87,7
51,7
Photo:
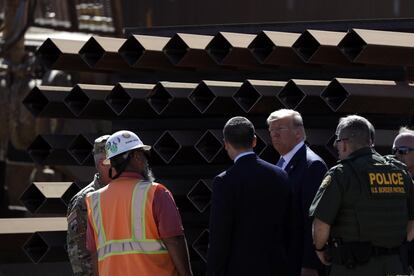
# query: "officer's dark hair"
239,132
358,130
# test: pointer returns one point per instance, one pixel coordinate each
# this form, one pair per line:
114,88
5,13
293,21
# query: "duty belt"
380,251
351,254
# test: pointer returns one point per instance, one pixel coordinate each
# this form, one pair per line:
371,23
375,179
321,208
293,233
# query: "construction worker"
134,227
364,208
79,256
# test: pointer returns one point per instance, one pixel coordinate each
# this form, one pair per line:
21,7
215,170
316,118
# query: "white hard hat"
121,142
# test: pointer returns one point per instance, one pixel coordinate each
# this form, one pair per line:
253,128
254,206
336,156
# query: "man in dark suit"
250,210
306,171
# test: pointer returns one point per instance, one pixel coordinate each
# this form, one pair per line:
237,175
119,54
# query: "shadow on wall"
41,269
189,12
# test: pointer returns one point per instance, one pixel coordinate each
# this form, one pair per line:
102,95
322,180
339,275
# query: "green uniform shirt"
356,208
79,255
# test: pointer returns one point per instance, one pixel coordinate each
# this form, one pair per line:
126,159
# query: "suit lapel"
298,157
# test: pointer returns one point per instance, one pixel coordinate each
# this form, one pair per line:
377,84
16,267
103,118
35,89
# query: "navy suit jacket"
249,220
306,171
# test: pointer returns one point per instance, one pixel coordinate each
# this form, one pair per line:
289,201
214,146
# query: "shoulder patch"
326,181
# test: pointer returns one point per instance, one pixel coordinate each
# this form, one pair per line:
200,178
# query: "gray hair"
147,174
406,130
283,113
288,113
357,129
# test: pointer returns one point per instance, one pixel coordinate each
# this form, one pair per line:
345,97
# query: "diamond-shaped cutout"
209,146
77,100
131,51
166,147
200,245
351,45
291,95
264,148
160,98
80,149
261,47
39,150
261,145
175,49
334,95
200,195
32,198
35,248
49,197
202,97
218,48
118,99
46,247
70,193
35,101
48,53
91,52
306,46
247,96
330,146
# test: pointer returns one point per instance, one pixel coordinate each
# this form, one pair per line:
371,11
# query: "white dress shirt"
288,156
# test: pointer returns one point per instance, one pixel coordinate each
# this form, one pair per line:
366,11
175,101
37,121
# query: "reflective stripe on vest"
139,199
97,217
130,247
138,244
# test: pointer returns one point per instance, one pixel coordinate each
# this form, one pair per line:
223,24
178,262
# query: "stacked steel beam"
30,239
177,92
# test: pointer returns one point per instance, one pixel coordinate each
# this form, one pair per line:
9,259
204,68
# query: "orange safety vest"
126,235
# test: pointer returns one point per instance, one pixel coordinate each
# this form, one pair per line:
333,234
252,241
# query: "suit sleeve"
314,177
328,199
221,224
288,225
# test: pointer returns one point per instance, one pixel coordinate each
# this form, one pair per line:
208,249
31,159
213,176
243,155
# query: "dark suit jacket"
249,221
306,171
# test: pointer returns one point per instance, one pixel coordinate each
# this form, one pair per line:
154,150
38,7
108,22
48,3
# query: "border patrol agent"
363,208
134,227
79,256
403,150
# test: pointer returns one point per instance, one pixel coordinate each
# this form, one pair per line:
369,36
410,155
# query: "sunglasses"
402,150
337,140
